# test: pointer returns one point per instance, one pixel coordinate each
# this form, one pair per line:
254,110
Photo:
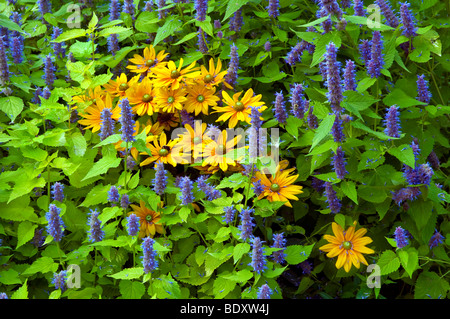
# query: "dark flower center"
347,245
170,99
148,218
146,98
200,98
123,87
275,187
239,106
208,78
174,74
163,152
149,63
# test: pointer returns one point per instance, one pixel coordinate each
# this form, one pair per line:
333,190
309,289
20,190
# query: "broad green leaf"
388,262
18,210
404,154
43,265
93,23
12,106
349,189
10,277
431,285
35,153
222,287
22,292
79,143
323,130
401,98
168,29
240,250
5,22
409,259
373,194
69,35
112,30
296,254
165,287
365,83
97,195
102,166
321,46
232,7
129,273
131,289
147,22
25,232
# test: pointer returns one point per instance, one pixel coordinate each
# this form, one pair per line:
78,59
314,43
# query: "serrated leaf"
388,262
12,106
409,260
165,287
240,250
222,287
112,30
25,232
323,130
296,254
430,285
404,153
102,166
129,273
232,7
168,29
43,265
349,189
131,289
22,292
69,35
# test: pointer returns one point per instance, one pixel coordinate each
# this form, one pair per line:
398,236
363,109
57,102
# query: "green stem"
435,84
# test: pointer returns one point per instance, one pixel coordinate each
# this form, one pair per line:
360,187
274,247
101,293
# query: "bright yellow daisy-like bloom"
214,76
168,120
279,187
199,98
142,97
92,114
92,95
149,62
236,109
120,85
149,219
219,152
162,151
173,76
194,140
169,100
348,245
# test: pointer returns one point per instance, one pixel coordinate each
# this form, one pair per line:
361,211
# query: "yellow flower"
279,187
169,100
348,245
142,97
199,98
162,151
168,120
173,76
214,76
92,96
120,85
149,219
148,62
194,139
92,114
219,152
236,109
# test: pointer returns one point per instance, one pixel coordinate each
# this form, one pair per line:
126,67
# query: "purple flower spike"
391,18
436,239
401,237
264,292
273,8
201,6
187,187
392,122
246,226
133,224
55,226
280,109
160,180
376,62
107,124
232,73
349,76
409,25
334,93
334,203
424,95
95,232
258,259
339,163
126,120
149,258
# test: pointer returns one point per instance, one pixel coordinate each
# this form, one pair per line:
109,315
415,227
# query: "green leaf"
296,254
35,153
9,24
409,259
112,30
404,153
240,250
323,130
102,166
380,135
401,98
128,273
349,189
78,142
431,285
12,106
97,195
187,37
388,262
43,265
321,46
222,287
165,287
168,29
18,210
232,7
9,277
147,22
365,83
22,292
25,232
131,289
69,35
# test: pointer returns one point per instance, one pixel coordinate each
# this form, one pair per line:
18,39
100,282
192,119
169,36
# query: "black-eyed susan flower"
200,98
161,151
141,97
173,76
91,96
278,187
148,62
170,100
194,139
214,76
149,220
237,109
219,151
119,86
349,246
92,114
